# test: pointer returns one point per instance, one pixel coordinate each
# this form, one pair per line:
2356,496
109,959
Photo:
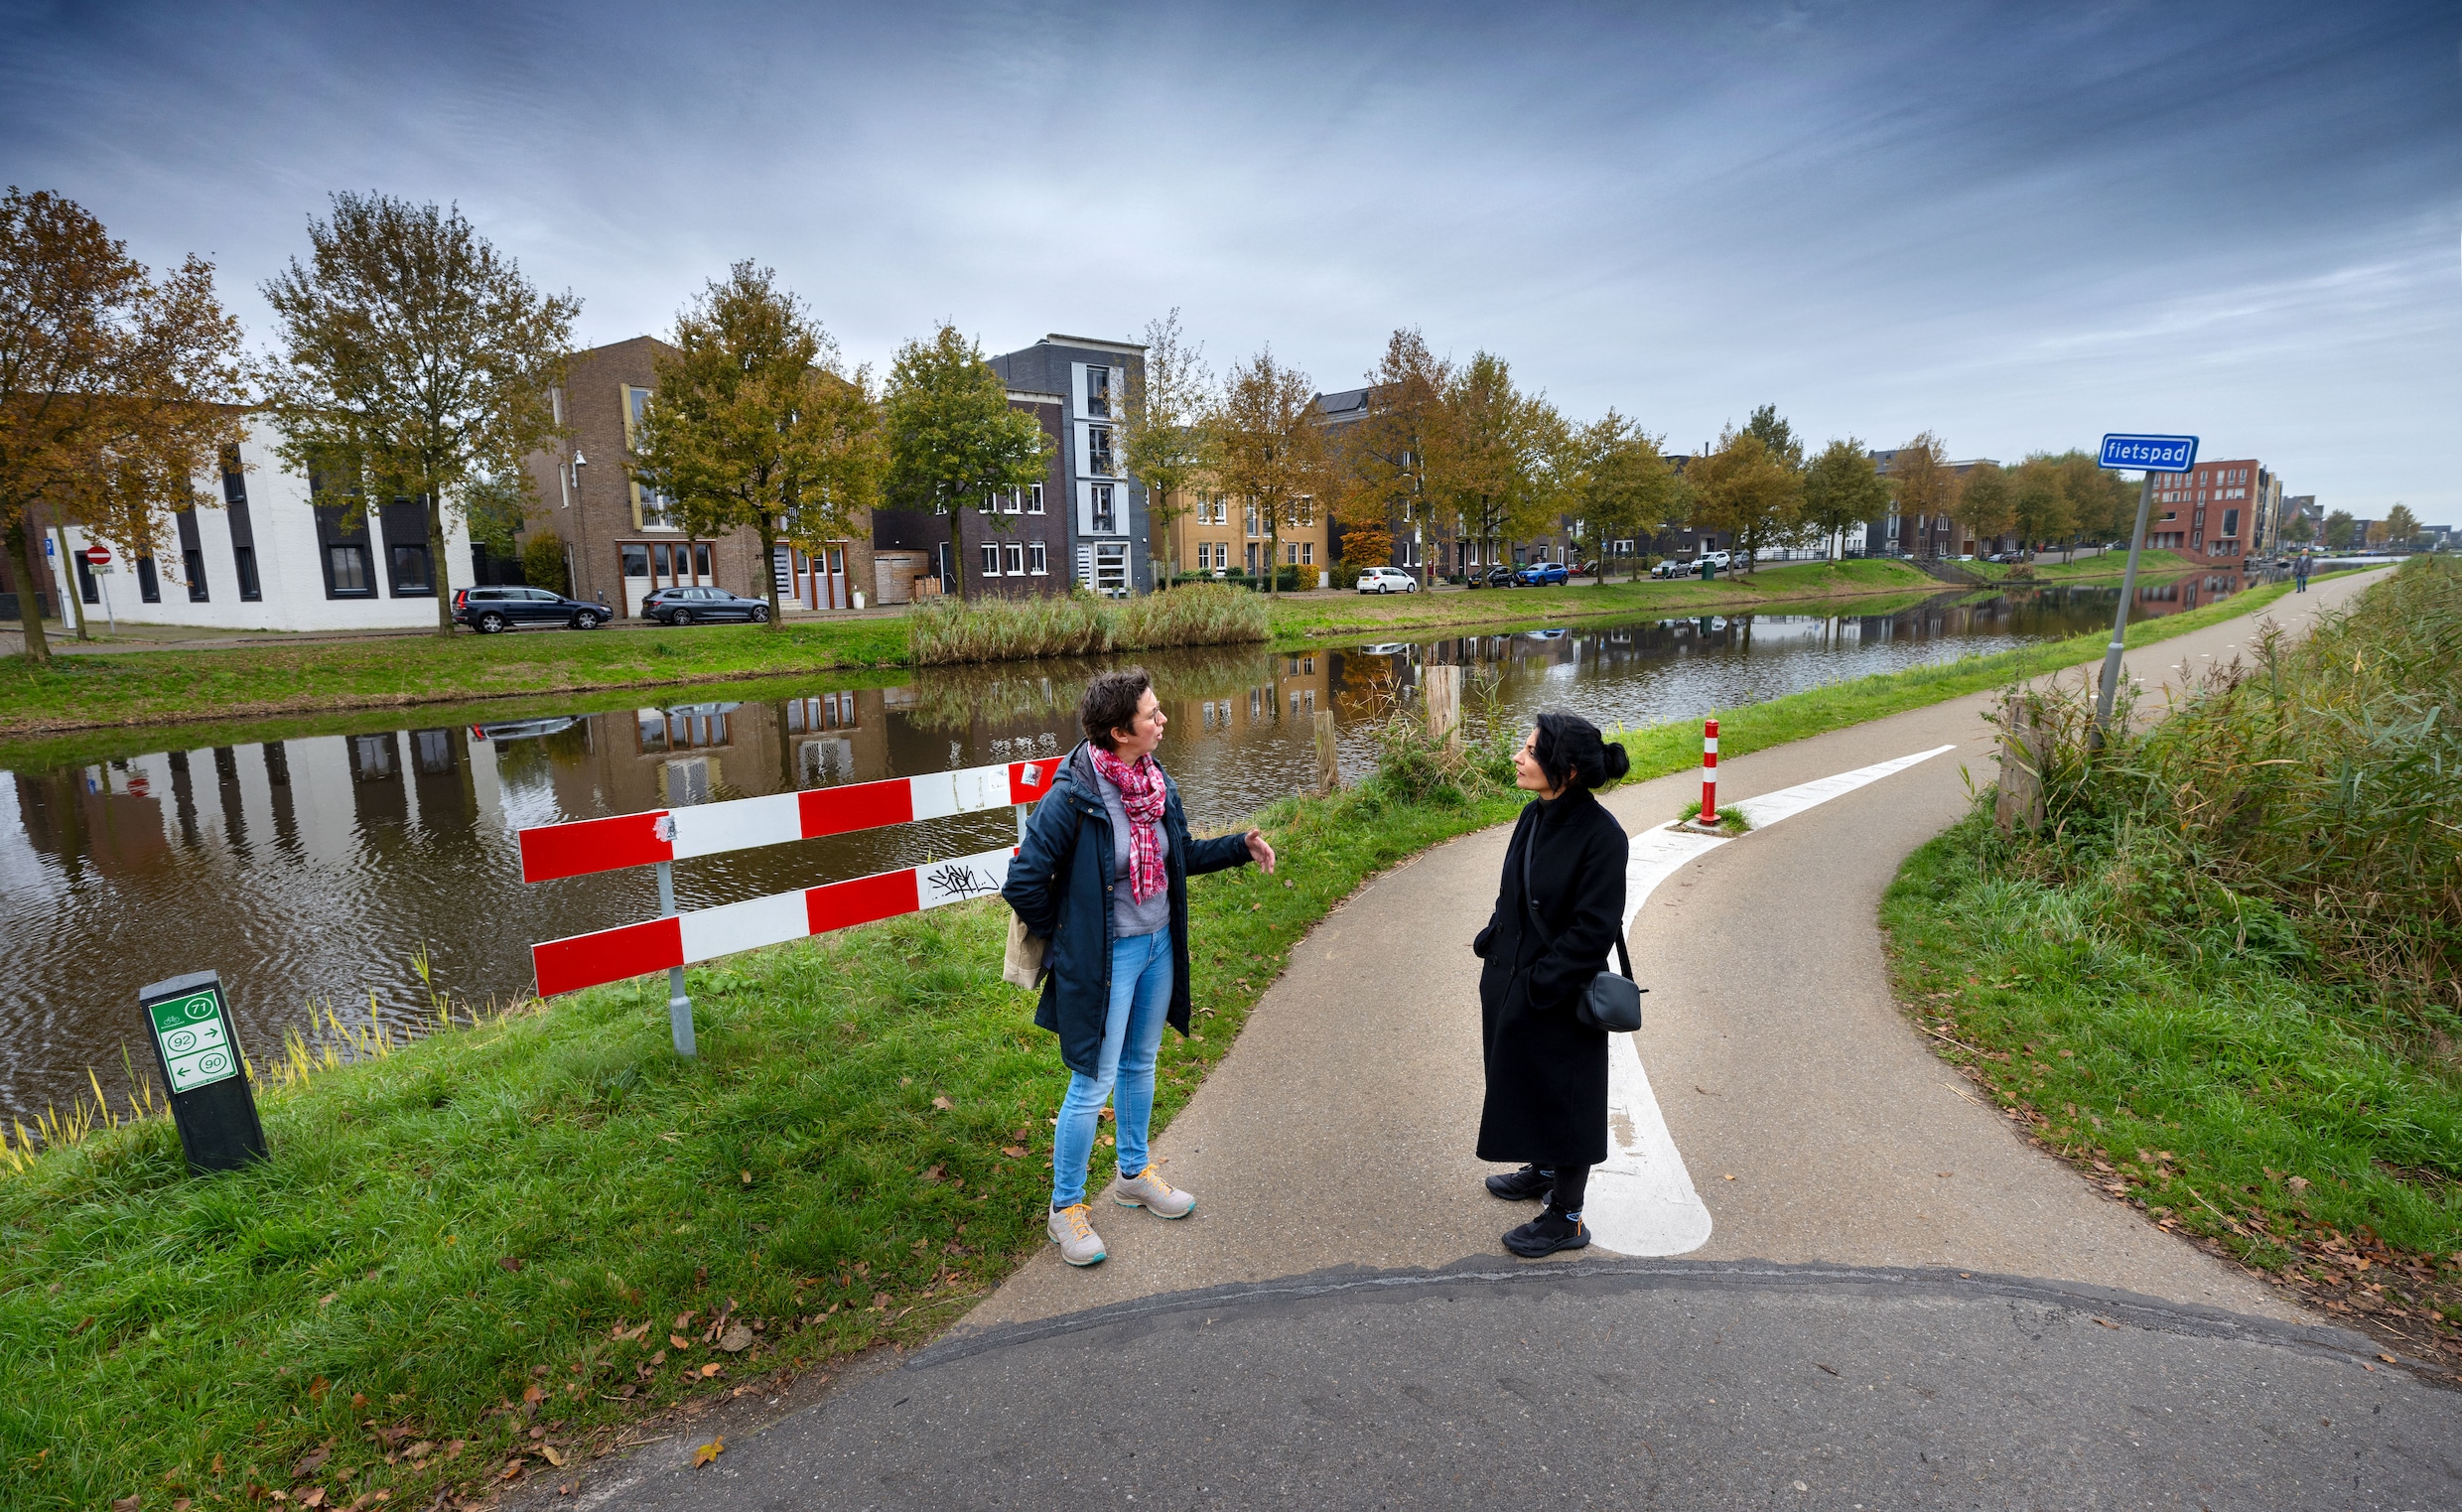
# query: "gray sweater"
1128,917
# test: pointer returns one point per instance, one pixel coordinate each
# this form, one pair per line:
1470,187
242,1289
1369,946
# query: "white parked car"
1387,580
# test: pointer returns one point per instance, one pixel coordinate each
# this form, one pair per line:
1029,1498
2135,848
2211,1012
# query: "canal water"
313,871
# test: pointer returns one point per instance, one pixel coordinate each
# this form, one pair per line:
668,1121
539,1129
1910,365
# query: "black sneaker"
1527,1184
1545,1234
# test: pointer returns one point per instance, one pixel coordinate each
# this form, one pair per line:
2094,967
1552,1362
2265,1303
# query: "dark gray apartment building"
1100,508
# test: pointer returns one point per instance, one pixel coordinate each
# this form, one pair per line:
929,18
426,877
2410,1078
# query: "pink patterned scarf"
1141,797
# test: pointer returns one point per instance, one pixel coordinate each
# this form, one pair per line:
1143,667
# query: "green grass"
356,1289
2232,1100
2109,565
144,687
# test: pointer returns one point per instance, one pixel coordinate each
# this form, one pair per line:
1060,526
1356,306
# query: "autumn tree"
2401,527
1271,452
2299,529
1622,488
1164,439
416,358
2039,505
1923,482
1842,488
2340,530
754,424
1776,437
953,439
116,388
1743,490
1985,505
1385,459
1490,477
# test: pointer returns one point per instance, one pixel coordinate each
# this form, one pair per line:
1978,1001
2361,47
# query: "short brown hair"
1111,704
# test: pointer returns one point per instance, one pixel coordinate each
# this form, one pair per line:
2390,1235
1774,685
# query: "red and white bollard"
1709,774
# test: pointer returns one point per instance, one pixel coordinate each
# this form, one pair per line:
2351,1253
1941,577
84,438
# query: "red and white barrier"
550,851
660,944
664,836
1709,774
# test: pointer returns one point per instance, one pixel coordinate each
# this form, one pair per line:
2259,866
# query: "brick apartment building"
623,541
1097,521
1016,545
2213,513
1217,533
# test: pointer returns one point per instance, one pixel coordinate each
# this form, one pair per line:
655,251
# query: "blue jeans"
1141,998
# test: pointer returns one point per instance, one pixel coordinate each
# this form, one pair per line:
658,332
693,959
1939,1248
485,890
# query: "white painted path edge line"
1642,1200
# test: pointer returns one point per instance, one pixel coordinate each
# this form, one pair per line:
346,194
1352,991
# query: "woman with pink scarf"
1102,877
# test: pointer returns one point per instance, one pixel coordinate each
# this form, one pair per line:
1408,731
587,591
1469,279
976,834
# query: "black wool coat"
1059,885
1547,1075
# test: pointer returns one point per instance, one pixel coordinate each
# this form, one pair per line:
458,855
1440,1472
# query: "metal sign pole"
2120,622
679,1006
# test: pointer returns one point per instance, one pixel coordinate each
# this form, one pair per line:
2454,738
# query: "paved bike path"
1897,1301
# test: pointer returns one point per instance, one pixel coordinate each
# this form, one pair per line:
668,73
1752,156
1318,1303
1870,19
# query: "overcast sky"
2019,226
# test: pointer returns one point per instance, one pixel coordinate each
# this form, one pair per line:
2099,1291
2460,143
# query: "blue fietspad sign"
2149,454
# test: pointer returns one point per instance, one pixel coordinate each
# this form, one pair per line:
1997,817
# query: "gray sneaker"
1147,1190
1079,1243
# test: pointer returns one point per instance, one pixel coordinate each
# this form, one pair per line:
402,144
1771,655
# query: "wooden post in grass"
2024,747
1328,770
1443,687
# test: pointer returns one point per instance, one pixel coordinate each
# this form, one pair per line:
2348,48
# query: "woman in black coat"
1560,909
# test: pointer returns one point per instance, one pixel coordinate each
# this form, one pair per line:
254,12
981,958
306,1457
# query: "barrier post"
1709,774
679,1006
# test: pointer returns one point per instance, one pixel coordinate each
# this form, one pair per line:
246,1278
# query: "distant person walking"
2301,568
1103,880
1560,908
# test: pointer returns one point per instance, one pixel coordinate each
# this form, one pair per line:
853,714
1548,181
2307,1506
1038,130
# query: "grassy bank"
546,1224
152,687
2109,565
1081,625
2221,978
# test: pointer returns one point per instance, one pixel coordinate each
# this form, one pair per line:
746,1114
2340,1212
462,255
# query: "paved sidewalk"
1898,1302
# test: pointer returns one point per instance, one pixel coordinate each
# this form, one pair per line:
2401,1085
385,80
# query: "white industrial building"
269,550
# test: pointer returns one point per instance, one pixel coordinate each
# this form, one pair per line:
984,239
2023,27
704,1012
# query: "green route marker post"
187,1019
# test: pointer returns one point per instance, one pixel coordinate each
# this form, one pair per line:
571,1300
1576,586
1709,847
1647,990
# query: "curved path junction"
1828,1276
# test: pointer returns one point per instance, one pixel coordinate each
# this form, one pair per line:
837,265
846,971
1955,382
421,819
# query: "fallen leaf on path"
129,1503
533,1394
711,1369
1012,1151
748,1179
944,1104
735,1339
678,1341
554,1458
708,1453
312,1462
1831,1369
2107,1322
327,1299
318,1388
2388,1359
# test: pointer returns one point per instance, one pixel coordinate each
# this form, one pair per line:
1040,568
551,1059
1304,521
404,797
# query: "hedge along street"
572,1145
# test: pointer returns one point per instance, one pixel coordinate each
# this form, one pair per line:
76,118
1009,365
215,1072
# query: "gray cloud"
2019,226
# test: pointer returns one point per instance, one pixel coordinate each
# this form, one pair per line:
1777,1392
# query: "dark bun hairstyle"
1573,753
1111,704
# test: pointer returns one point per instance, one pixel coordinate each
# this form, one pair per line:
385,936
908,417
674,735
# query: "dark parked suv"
683,605
489,611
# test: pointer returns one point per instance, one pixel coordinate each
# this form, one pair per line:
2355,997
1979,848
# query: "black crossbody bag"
1611,1003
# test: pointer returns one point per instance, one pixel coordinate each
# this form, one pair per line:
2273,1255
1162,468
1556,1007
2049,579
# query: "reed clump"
1081,625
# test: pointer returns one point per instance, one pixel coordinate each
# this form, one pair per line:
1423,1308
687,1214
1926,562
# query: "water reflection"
314,869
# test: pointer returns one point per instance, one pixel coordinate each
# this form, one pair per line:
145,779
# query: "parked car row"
493,610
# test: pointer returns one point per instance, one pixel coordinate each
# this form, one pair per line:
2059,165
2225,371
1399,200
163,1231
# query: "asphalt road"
1898,1302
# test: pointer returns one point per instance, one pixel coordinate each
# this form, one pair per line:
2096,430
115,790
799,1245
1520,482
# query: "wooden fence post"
2024,748
1443,686
1328,770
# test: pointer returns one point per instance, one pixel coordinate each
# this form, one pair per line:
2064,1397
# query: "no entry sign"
96,556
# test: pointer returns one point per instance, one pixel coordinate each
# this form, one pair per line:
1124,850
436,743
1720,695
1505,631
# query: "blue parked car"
1542,575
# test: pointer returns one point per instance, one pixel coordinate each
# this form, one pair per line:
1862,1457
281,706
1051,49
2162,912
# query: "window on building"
1307,553
634,558
663,566
1291,553
701,562
193,563
1013,557
243,561
1034,499
1307,513
234,477
2231,522
149,584
1252,523
1105,514
410,571
991,559
1098,449
348,565
1038,559
1098,391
